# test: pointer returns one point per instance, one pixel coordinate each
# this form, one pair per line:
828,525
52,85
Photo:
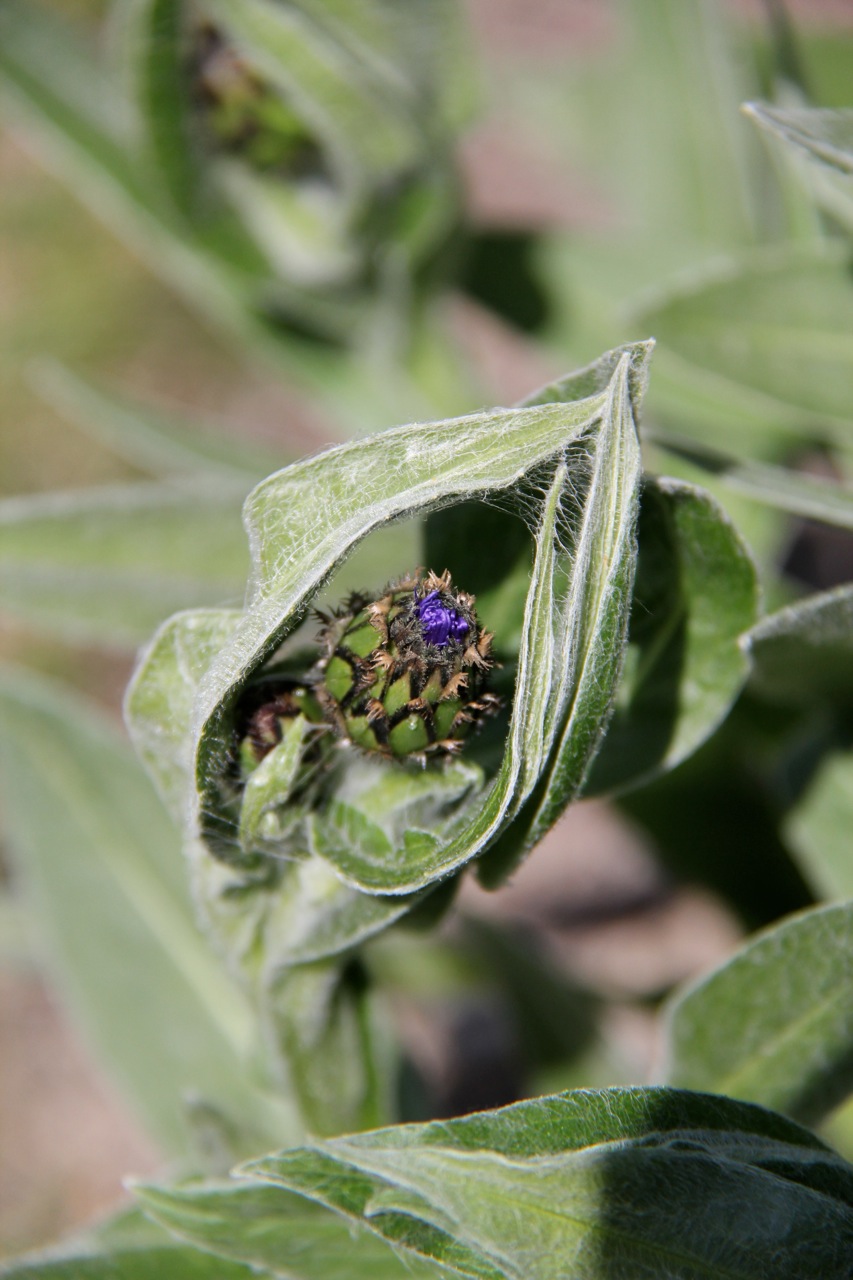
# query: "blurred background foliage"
306,230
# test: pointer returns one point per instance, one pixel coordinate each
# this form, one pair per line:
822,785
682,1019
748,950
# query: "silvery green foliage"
592,1185
383,835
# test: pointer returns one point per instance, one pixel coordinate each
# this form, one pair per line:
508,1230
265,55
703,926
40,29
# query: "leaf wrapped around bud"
404,674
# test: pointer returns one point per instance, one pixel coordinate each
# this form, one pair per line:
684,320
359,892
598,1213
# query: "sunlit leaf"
259,1225
592,1184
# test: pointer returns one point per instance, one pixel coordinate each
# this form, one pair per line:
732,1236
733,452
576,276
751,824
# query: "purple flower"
438,623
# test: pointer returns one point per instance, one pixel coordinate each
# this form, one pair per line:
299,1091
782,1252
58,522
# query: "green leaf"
777,326
259,1225
572,468
787,490
775,1024
105,566
327,1033
694,595
157,76
160,442
592,1184
129,1247
103,866
801,655
826,135
818,144
817,828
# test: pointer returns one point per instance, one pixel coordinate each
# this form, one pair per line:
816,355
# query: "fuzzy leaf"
325,1031
775,1024
297,1239
572,467
621,1182
695,593
323,1036
103,866
105,566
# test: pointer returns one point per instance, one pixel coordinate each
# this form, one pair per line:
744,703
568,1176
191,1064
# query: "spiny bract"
404,675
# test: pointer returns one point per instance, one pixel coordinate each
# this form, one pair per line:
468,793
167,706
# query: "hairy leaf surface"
643,1181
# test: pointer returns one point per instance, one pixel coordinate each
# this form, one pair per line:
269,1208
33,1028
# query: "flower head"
439,622
404,674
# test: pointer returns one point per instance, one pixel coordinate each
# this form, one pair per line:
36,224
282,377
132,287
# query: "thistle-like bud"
269,710
404,675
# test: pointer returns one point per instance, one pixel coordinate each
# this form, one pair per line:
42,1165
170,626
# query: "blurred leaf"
694,595
826,135
818,828
56,97
572,468
802,655
52,86
780,487
777,325
104,566
775,1023
417,50
156,75
146,1253
652,116
367,132
820,142
104,868
259,1225
162,443
617,1182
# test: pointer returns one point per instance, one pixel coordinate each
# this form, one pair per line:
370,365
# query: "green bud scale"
404,675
